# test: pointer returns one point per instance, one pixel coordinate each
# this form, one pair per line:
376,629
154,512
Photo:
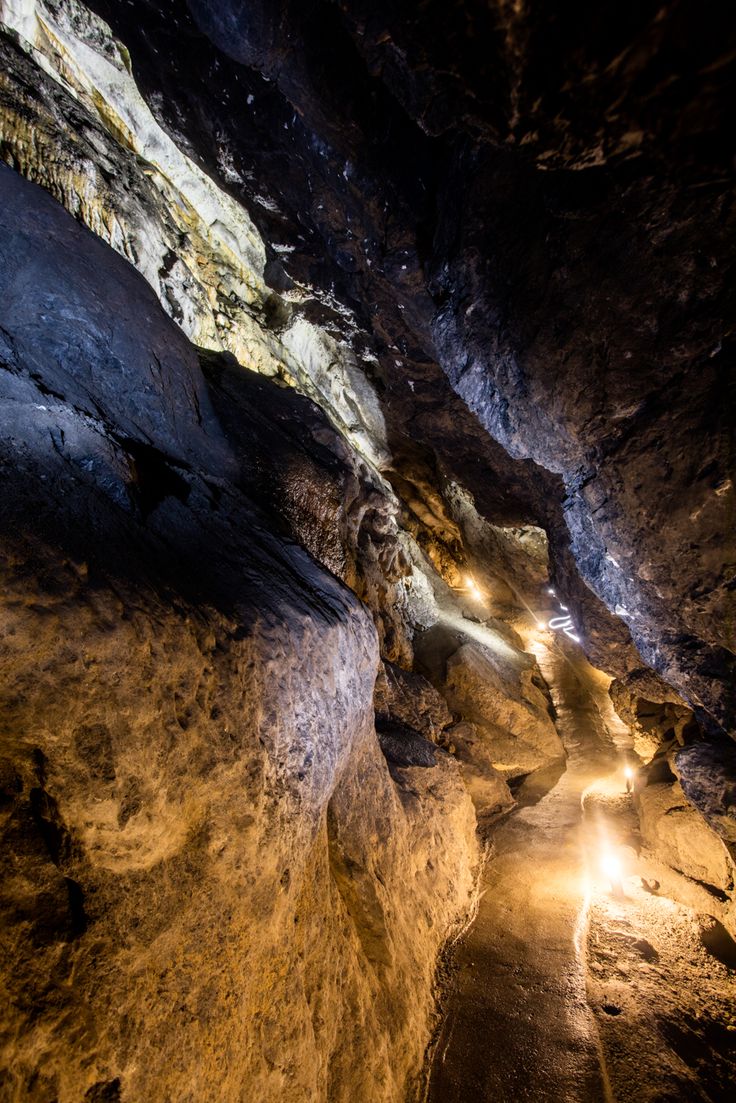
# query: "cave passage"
518,1025
367,551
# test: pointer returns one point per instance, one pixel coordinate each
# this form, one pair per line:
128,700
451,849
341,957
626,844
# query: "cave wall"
447,297
547,219
205,855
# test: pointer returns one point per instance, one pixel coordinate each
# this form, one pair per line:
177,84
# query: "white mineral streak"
215,288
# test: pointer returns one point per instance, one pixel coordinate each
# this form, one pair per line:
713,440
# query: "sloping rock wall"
206,859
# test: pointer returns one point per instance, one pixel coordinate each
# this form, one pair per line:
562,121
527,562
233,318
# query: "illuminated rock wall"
435,331
211,882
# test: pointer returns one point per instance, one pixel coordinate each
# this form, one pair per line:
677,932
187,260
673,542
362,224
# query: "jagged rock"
655,713
494,245
297,466
707,774
716,940
497,694
412,700
475,753
568,450
679,836
546,207
404,747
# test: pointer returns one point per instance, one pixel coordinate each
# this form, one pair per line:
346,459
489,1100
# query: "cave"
368,551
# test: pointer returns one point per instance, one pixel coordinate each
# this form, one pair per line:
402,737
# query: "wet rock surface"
508,1032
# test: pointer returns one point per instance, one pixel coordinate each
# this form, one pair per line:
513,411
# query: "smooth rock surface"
678,834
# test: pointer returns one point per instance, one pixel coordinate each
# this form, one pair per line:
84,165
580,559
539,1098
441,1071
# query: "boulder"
496,692
680,837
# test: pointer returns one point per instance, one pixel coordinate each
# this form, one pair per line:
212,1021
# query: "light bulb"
610,866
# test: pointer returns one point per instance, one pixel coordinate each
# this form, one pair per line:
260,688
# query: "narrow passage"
518,1026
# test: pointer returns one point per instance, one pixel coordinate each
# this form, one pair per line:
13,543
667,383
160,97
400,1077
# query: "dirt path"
518,1026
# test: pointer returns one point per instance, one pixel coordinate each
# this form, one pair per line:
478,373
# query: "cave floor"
518,1025
563,989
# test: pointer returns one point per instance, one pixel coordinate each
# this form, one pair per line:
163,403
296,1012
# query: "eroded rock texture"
539,202
448,353
206,860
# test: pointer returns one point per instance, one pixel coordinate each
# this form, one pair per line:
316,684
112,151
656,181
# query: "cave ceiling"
528,213
518,219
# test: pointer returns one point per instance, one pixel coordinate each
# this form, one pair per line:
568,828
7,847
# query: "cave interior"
368,551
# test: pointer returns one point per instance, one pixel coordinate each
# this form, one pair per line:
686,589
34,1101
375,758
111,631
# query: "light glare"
610,866
473,587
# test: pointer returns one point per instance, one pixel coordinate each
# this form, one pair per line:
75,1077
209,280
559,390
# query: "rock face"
478,754
205,856
516,732
397,334
530,202
655,713
488,248
677,833
707,774
412,701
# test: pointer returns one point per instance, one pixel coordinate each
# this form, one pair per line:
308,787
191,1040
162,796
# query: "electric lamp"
472,585
611,869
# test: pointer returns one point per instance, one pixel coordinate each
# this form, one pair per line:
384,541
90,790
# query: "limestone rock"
205,856
545,166
497,694
494,246
486,785
655,713
707,774
412,700
404,747
679,835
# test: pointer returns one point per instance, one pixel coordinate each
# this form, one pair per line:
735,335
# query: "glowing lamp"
610,866
611,869
472,585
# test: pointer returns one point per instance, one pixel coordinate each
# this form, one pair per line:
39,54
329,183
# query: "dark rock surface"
404,747
204,855
707,773
409,699
479,257
548,217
